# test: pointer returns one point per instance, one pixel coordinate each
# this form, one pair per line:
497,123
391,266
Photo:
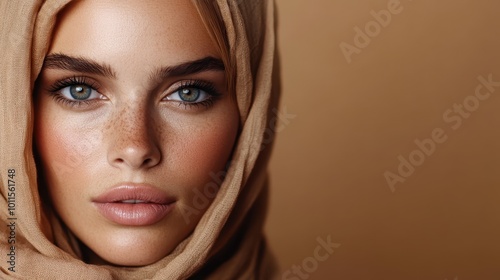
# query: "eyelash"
55,89
207,87
75,80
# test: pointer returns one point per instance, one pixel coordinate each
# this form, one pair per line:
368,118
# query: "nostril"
135,153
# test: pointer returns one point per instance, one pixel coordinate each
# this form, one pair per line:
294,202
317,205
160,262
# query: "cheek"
205,150
57,146
200,158
64,149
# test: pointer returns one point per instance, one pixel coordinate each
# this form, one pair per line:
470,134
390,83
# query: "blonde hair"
213,21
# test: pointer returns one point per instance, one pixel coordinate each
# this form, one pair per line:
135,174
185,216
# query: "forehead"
132,32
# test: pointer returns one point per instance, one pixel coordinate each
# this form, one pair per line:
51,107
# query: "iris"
189,94
80,92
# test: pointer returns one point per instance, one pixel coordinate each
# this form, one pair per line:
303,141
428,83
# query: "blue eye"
194,93
76,89
189,95
78,92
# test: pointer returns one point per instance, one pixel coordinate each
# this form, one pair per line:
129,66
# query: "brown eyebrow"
77,64
192,67
85,65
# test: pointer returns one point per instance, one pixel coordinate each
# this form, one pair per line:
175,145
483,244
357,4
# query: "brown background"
354,119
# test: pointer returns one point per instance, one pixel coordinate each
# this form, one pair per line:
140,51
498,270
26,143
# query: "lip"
151,206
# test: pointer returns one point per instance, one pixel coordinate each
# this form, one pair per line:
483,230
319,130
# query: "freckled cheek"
204,151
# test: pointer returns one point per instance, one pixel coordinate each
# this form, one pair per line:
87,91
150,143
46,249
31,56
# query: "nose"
133,140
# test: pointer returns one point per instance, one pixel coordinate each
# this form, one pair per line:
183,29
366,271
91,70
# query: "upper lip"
133,192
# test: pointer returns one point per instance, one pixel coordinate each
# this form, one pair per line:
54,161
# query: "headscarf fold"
228,241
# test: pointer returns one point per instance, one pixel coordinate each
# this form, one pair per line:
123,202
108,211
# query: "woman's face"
133,119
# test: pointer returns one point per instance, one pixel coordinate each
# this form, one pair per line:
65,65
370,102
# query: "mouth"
134,204
133,201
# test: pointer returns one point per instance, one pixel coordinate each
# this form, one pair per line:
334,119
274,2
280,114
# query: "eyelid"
57,87
208,87
74,80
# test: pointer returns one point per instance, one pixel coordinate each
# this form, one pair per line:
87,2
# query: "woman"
150,135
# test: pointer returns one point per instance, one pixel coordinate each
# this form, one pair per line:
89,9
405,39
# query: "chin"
130,257
135,248
134,260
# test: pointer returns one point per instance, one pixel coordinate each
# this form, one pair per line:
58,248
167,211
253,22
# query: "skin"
136,130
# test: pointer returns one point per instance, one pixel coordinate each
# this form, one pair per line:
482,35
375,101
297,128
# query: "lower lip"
139,214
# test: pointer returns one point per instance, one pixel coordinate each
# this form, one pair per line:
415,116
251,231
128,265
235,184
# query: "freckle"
157,129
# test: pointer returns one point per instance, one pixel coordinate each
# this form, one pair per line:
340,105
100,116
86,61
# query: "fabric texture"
227,243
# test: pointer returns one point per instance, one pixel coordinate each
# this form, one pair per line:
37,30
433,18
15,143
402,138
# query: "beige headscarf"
228,242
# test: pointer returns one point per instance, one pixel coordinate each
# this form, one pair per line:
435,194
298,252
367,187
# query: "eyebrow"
192,67
85,65
77,64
